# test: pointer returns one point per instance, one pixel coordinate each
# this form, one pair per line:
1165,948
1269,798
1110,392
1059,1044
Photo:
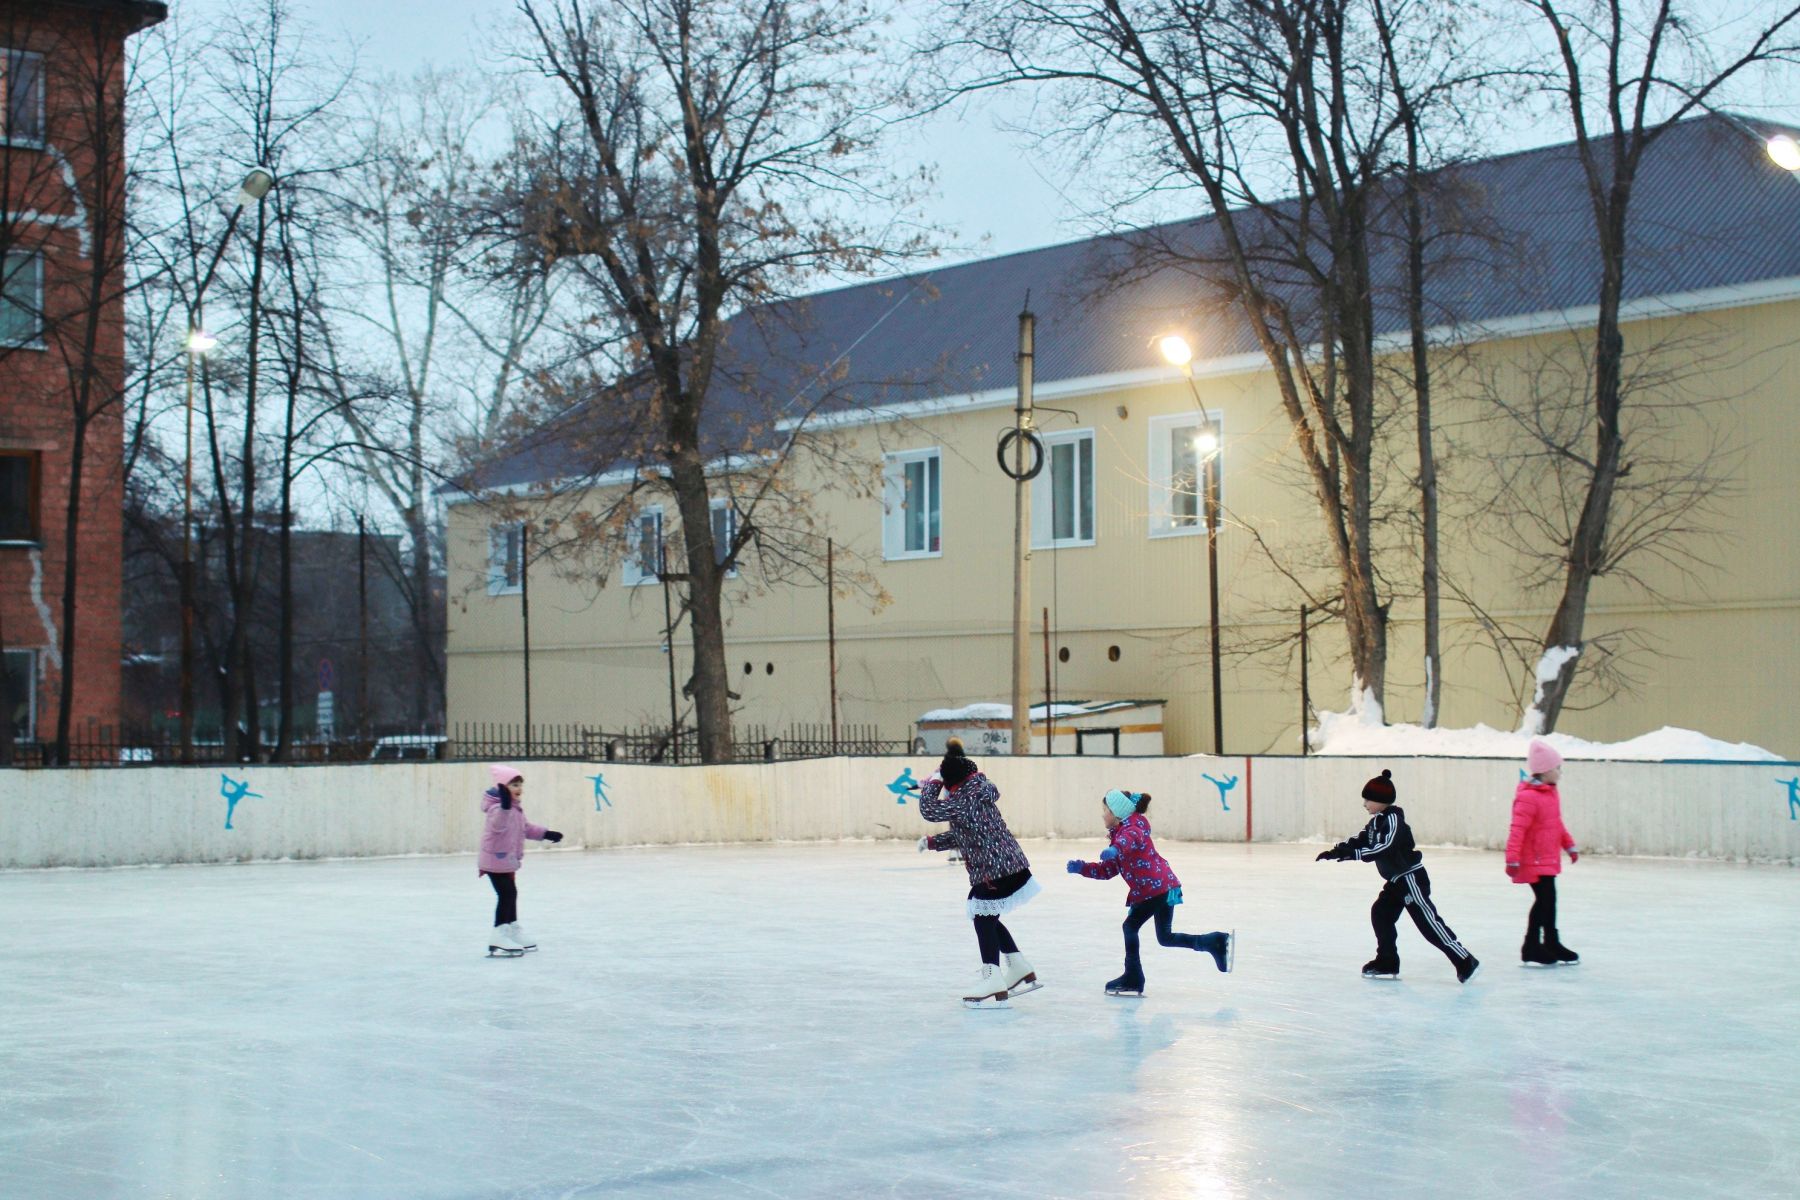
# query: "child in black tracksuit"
1388,843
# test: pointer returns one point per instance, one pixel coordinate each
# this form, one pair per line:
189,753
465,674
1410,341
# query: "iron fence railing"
114,747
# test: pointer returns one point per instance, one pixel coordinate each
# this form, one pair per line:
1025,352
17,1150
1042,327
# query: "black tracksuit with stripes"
1387,841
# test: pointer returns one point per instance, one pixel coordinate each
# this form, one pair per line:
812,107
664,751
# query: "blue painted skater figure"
234,790
903,785
1793,787
600,791
1224,785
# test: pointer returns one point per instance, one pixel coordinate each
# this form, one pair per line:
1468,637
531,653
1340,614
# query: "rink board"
94,818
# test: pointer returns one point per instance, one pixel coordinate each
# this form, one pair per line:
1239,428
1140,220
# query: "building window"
1184,461
724,532
19,496
18,693
644,555
22,300
22,82
1062,496
506,559
913,501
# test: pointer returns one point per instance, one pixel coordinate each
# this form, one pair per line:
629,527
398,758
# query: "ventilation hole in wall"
768,668
1112,654
1062,655
749,667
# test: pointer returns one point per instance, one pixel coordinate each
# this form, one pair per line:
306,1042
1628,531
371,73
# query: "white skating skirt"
994,906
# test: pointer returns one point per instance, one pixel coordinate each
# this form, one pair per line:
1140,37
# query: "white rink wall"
103,818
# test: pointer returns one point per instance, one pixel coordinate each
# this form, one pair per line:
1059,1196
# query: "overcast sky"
996,192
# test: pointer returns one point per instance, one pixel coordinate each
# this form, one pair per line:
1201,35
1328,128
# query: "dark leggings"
1159,909
506,910
1540,926
994,939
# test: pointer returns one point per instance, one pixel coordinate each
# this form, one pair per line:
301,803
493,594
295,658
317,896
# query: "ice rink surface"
781,1021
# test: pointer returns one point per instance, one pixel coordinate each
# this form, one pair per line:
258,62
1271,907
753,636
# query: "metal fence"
106,746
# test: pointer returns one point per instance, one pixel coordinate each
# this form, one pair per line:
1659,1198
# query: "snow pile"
1350,734
970,712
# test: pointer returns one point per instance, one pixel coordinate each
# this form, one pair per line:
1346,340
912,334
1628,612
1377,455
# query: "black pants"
506,909
1540,926
994,939
1159,909
1412,892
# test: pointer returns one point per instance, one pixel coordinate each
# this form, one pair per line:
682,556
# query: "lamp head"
257,184
1175,350
1785,151
199,341
1205,442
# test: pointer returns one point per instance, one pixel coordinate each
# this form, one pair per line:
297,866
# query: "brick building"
62,193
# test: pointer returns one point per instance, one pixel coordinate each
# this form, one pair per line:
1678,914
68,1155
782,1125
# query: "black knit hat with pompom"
956,766
1380,789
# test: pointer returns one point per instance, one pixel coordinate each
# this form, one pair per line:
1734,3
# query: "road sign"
327,714
327,675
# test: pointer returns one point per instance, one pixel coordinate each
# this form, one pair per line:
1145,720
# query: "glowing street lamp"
1178,353
256,185
1785,151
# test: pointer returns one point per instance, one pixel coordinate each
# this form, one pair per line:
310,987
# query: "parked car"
413,747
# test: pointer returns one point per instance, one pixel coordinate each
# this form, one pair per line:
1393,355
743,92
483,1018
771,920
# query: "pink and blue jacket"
503,840
1148,872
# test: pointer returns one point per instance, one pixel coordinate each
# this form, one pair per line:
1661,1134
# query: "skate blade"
1125,993
502,952
1028,984
1383,978
1230,951
986,1002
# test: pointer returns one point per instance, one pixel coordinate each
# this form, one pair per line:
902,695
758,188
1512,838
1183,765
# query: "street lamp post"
1176,351
256,185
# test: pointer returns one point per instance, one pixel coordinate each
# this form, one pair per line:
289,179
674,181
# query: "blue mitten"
1108,854
1074,866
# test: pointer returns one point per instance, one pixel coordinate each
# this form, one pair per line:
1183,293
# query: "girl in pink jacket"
1534,854
502,844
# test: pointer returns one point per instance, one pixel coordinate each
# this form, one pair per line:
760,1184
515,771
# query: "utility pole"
362,625
662,573
1305,688
831,635
525,620
1024,441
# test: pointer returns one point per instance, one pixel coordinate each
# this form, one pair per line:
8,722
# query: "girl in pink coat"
502,844
1534,854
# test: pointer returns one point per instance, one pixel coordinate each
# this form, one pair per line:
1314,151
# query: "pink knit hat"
1541,756
504,774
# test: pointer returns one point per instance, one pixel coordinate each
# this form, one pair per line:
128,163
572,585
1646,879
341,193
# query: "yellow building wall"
1717,642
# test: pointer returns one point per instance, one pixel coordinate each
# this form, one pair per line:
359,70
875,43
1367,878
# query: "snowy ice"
1349,734
781,1021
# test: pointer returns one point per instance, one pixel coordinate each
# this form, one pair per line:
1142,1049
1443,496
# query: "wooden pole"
1305,697
362,625
1049,719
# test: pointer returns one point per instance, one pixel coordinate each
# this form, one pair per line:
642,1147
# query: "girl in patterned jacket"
999,874
1154,889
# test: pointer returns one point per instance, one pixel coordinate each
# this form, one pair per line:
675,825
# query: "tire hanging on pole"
1033,441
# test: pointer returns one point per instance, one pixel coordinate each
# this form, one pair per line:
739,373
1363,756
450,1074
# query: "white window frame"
36,340
506,551
894,507
631,571
31,687
7,138
1163,521
1043,494
722,547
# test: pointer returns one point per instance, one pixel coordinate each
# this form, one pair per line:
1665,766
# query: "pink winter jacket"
503,841
1538,838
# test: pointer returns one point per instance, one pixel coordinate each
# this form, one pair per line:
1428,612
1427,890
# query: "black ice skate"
1559,954
1534,953
1466,968
1126,985
1225,954
1375,968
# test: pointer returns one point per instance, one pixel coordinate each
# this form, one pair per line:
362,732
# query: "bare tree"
709,157
1284,115
1623,72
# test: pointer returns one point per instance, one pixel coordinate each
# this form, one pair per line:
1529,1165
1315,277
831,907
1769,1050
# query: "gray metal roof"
1710,210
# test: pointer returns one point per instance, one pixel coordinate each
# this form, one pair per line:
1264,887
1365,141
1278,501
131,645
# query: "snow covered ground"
1347,733
779,1021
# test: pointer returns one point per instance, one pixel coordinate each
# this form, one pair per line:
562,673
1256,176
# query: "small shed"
1110,728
